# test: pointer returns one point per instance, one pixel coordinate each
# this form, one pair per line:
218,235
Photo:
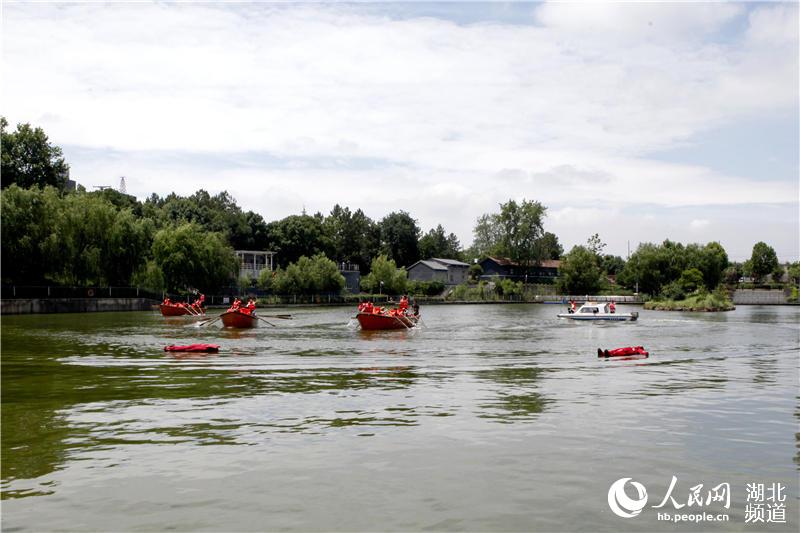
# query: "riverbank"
704,302
33,306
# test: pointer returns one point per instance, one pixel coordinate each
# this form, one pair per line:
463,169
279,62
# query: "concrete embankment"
759,297
73,305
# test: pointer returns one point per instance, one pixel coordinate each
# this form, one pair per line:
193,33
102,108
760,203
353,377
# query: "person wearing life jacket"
572,306
251,306
612,307
167,302
403,305
237,303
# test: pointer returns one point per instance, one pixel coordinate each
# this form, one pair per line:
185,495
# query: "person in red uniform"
612,307
403,306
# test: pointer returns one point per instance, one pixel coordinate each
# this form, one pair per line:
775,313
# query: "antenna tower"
122,187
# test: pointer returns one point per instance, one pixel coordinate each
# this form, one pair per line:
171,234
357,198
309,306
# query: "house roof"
450,262
433,265
505,261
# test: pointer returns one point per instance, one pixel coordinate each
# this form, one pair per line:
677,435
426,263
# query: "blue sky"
639,122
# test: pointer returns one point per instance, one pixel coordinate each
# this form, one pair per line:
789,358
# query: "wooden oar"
284,317
401,321
207,322
267,321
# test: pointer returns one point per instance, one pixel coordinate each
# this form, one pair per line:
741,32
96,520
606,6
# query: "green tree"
548,247
515,232
521,227
651,266
436,243
192,258
354,236
296,236
29,234
312,275
595,245
612,264
580,273
28,159
763,260
486,237
794,273
400,238
385,277
691,280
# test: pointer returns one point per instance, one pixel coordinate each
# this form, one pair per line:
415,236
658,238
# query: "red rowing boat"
381,321
174,310
237,319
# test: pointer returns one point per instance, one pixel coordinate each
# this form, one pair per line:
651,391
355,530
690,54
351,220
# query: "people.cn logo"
621,504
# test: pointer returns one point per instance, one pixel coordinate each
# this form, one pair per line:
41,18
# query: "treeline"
178,242
669,270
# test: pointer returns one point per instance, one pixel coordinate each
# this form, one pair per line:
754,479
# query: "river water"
490,418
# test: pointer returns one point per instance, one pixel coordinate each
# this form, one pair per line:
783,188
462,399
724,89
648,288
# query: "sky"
639,122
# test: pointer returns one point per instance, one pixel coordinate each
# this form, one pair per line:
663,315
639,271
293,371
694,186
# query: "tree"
354,236
385,277
192,258
400,238
763,260
612,264
691,280
794,273
313,275
548,247
580,273
595,245
296,236
28,159
29,233
521,227
486,236
436,243
515,232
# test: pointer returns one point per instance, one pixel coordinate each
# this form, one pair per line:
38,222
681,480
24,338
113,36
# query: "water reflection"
517,399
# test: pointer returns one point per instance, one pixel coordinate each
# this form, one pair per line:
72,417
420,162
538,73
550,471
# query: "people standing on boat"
571,306
612,307
403,306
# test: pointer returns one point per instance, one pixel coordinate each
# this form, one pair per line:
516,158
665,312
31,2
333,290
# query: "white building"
252,262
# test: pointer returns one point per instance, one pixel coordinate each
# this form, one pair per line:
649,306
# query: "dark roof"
451,262
505,261
430,264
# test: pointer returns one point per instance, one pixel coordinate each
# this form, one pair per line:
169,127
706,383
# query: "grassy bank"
700,302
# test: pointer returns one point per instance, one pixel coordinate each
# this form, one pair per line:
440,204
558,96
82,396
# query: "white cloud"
699,223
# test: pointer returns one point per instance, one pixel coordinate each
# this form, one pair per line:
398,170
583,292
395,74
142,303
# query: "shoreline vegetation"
703,302
56,233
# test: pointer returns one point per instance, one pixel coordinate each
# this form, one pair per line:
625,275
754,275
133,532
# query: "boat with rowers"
371,317
170,308
599,311
239,316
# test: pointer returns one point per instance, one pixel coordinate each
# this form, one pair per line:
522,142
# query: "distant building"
252,262
448,271
352,276
503,267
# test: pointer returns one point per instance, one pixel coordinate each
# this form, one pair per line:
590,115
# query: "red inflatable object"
621,352
204,348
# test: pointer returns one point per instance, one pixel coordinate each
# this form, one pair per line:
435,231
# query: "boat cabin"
594,308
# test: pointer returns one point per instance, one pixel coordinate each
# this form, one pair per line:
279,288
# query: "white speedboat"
598,311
